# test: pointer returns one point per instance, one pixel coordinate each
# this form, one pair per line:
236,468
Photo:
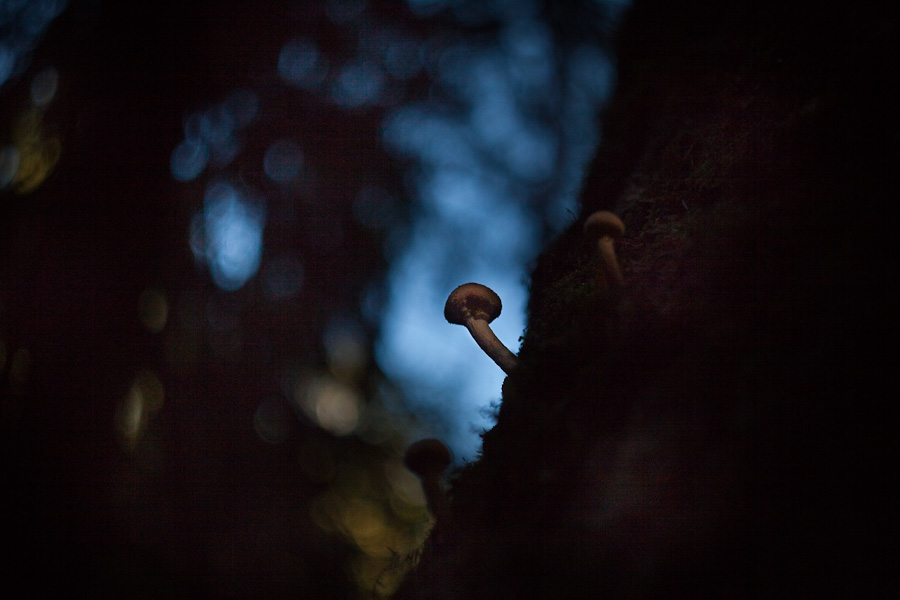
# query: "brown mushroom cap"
604,223
428,457
472,301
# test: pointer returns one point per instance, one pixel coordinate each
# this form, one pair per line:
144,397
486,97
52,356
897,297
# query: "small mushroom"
428,459
605,227
475,305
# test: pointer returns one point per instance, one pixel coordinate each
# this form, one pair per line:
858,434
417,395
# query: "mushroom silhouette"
475,305
428,459
605,227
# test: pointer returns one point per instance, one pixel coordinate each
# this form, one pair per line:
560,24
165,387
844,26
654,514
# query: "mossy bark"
719,428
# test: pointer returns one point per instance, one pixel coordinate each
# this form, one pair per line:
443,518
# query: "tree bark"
719,430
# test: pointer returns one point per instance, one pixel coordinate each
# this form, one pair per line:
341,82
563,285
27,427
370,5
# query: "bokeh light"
358,84
346,349
227,235
283,161
141,403
211,135
34,154
379,507
333,405
189,158
401,55
406,487
300,63
23,24
44,86
153,309
7,62
9,165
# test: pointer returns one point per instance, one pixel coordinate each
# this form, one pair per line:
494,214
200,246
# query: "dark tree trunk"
721,429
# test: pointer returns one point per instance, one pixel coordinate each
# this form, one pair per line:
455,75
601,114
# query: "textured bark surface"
721,430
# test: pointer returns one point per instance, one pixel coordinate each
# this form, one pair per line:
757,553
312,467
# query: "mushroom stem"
610,274
489,342
605,227
428,459
434,496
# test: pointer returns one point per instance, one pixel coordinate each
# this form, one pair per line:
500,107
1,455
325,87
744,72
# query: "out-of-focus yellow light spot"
411,514
338,410
359,506
130,415
151,388
364,523
407,499
144,398
378,576
153,309
406,486
333,405
38,152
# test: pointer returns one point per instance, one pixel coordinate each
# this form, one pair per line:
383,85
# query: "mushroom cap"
428,457
604,223
472,301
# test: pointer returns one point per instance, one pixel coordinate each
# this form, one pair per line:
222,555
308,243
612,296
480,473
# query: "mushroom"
475,305
428,459
605,227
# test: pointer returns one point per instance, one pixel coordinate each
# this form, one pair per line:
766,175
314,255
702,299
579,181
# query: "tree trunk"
719,428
